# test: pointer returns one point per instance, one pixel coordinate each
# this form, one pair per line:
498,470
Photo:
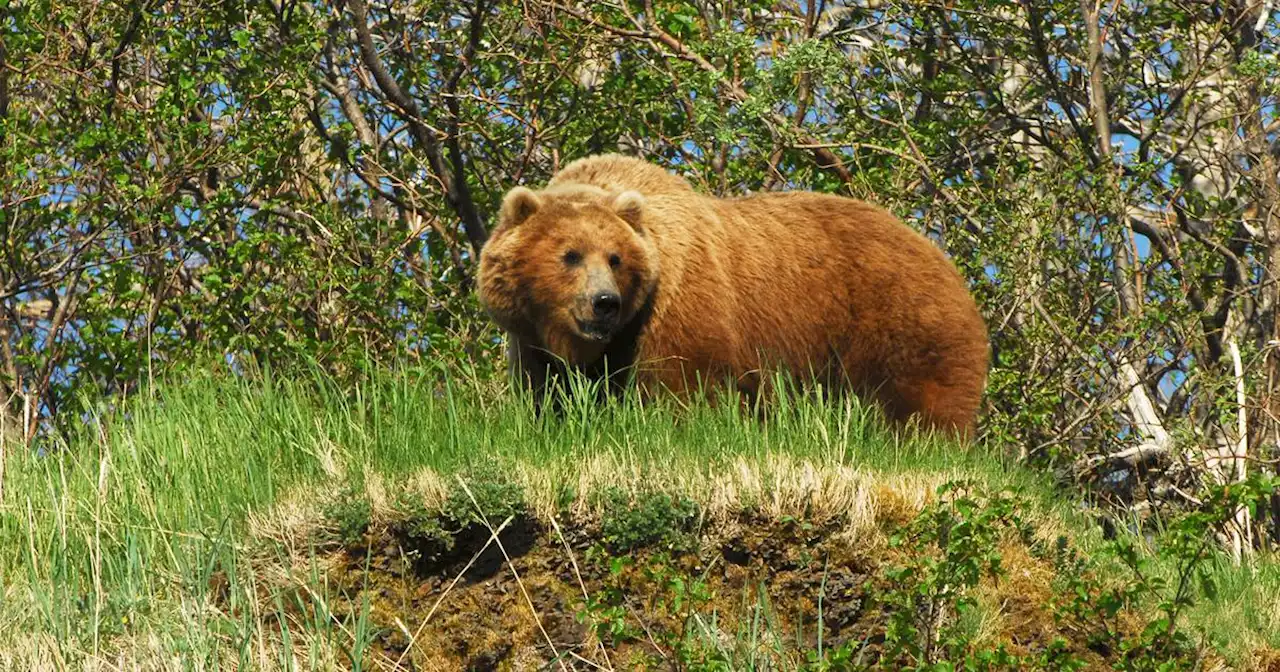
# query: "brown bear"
621,270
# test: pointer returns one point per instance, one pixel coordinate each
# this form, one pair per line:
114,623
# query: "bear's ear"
629,206
518,205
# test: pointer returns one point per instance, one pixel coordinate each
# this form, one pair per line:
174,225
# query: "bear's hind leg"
947,407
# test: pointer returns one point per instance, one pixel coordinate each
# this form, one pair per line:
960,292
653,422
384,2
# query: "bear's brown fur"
829,289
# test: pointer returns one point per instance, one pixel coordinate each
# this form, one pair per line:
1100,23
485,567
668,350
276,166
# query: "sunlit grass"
120,541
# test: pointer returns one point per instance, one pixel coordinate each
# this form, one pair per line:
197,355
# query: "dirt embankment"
780,591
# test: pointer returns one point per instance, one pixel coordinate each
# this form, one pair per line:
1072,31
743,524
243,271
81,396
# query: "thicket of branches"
308,179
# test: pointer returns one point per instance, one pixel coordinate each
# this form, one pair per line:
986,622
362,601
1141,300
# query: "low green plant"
948,549
679,598
1172,576
485,494
605,611
669,618
350,514
646,519
421,523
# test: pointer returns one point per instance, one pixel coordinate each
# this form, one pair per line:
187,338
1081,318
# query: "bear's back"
616,173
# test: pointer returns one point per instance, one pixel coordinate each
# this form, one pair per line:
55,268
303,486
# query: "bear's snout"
600,314
599,307
606,305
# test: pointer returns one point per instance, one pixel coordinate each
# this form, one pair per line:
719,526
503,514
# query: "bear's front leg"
533,370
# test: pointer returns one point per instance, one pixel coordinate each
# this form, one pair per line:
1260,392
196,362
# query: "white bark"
1134,455
1146,419
1241,532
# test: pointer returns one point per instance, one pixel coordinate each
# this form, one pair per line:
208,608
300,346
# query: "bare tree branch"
456,191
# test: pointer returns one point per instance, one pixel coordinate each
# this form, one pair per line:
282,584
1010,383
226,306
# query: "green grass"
118,542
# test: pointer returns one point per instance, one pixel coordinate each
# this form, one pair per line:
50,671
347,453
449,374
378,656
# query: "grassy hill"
428,522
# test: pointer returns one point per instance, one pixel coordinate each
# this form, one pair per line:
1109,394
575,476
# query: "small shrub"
650,519
351,514
1110,614
605,611
496,498
422,524
949,548
670,611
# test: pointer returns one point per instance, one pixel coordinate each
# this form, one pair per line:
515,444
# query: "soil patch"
540,598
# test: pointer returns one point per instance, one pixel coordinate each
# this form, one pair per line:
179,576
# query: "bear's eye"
615,261
572,257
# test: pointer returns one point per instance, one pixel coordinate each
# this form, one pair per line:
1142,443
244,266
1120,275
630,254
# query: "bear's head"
568,267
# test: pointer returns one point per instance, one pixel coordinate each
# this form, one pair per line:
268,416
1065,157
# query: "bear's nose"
606,305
